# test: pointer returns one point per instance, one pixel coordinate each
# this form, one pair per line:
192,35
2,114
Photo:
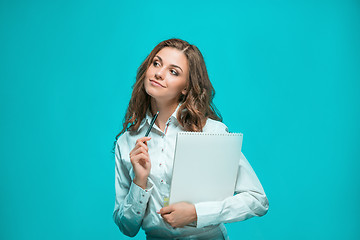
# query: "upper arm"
213,126
122,176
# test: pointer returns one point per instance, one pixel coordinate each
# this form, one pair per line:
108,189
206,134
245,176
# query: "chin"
151,92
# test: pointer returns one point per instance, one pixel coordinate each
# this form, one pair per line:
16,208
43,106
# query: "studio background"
286,75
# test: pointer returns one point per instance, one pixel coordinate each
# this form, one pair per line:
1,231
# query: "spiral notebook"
205,166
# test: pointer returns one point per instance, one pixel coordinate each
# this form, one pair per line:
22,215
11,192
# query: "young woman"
173,80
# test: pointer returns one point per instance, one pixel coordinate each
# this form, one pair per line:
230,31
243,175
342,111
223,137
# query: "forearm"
236,208
128,215
250,200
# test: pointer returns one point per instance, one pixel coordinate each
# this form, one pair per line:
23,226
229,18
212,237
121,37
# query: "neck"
166,109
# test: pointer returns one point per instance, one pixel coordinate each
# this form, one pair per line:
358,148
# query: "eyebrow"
173,65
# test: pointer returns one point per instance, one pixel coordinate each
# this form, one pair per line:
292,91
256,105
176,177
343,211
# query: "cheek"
178,84
146,84
148,72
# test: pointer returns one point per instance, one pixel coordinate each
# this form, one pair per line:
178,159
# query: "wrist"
140,182
195,214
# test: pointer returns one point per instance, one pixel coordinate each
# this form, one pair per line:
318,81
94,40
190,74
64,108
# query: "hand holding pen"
140,159
151,124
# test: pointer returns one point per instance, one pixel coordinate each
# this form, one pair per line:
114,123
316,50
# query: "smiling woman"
163,82
197,97
173,81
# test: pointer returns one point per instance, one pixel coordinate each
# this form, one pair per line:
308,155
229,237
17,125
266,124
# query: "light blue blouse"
136,207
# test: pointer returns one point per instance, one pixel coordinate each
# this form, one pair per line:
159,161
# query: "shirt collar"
149,116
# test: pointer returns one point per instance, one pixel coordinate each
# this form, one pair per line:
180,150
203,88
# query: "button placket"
162,179
161,164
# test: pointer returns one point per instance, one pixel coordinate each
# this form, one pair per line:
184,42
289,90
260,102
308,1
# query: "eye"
174,72
155,63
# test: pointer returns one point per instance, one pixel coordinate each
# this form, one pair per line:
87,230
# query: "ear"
184,91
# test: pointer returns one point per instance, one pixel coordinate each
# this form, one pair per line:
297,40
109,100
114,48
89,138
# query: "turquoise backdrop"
286,74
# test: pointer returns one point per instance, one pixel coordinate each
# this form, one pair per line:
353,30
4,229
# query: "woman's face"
166,78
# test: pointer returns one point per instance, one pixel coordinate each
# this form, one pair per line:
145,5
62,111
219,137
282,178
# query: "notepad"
205,166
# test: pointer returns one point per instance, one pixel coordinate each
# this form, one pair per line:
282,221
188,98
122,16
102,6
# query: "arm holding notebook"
249,199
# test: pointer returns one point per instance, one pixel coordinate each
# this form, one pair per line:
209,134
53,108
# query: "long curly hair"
197,103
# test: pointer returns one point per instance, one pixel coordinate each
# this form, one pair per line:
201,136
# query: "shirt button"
162,149
160,164
140,202
162,180
138,212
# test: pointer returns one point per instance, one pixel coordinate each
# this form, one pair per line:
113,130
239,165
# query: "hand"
140,161
179,214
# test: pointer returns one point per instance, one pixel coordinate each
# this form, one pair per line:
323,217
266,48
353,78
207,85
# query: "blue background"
286,75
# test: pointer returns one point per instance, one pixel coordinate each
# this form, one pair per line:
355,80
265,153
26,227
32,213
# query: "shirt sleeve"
130,201
249,199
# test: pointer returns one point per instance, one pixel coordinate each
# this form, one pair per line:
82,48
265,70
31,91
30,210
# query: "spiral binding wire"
211,134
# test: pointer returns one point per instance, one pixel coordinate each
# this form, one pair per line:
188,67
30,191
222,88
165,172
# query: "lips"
156,83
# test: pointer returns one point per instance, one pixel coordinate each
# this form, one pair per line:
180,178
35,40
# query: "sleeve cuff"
207,213
139,197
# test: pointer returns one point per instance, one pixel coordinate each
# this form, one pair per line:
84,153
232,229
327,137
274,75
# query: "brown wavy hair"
197,103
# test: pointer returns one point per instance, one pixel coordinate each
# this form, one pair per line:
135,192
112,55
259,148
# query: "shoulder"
122,138
126,141
215,126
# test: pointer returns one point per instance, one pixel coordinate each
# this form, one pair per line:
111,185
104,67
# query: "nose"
159,74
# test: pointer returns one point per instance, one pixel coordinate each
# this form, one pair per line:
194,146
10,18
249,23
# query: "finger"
137,146
141,158
143,145
139,143
143,139
166,210
169,219
166,218
139,151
